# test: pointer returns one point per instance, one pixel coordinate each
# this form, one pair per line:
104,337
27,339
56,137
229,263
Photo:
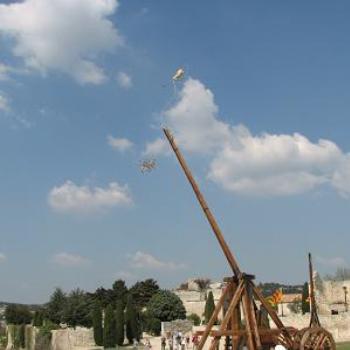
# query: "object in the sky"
179,74
147,165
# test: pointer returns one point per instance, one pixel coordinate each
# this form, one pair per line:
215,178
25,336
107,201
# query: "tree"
209,307
119,291
97,325
21,336
109,330
56,305
38,318
195,319
154,326
120,323
203,283
143,291
166,306
18,314
305,303
131,321
77,309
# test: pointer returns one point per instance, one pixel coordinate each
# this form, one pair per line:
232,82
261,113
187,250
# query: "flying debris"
147,165
179,74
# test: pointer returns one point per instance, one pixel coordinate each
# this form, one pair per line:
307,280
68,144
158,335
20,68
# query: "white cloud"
264,164
4,71
141,260
332,262
119,144
156,148
69,260
71,198
61,35
4,103
193,119
3,258
124,80
273,164
125,275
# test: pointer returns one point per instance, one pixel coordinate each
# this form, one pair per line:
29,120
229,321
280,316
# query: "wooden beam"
213,317
210,217
248,325
273,315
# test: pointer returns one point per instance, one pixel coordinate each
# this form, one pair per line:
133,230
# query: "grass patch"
343,346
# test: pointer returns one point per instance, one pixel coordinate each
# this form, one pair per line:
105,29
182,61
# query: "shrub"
18,314
195,319
154,326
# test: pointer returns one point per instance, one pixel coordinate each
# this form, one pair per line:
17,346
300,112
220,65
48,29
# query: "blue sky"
85,86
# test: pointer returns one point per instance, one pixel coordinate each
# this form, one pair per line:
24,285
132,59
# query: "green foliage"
209,307
305,305
154,326
195,319
143,291
77,309
22,336
131,321
38,318
120,323
56,306
97,325
16,337
165,306
109,331
43,337
18,314
105,297
119,292
3,336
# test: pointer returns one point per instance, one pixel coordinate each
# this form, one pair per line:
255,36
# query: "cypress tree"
209,307
305,303
97,325
109,330
22,336
131,321
120,323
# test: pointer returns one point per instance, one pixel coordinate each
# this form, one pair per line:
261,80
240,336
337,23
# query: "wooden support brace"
213,317
273,315
235,300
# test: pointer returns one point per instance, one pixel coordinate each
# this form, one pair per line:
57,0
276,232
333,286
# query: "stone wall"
194,301
338,325
330,296
69,339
